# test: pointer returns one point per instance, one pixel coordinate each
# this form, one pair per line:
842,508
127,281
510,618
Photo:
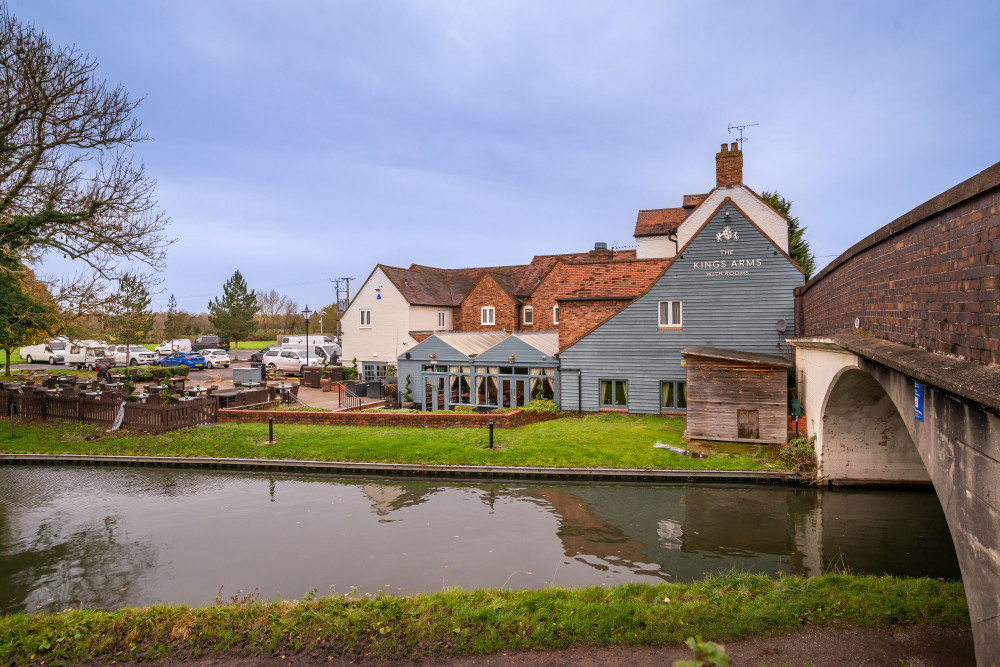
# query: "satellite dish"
781,325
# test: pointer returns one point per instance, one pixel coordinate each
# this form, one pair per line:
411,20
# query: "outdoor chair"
133,374
154,390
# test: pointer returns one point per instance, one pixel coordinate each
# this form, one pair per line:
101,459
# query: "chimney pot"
734,147
723,147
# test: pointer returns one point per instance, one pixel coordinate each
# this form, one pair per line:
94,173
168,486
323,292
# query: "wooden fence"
138,416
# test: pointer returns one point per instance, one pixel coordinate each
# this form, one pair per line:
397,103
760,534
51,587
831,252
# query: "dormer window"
489,316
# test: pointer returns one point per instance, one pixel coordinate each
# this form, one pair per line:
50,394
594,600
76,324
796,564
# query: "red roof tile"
690,201
613,280
659,221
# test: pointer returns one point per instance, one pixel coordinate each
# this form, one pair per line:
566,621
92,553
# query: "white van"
319,353
53,352
86,353
300,341
176,345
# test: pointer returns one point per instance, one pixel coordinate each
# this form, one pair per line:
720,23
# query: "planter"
409,405
326,384
311,376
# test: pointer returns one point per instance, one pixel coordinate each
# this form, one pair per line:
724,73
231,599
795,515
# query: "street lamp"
306,313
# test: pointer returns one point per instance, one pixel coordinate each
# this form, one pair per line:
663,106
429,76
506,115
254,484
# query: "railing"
347,399
138,416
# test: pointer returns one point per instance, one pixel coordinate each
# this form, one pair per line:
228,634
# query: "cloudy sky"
304,141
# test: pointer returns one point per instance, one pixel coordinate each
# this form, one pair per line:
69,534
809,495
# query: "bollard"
491,434
13,411
270,429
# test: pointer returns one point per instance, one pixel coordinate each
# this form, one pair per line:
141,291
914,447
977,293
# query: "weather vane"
741,128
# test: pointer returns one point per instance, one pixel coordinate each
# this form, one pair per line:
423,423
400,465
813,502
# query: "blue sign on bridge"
918,401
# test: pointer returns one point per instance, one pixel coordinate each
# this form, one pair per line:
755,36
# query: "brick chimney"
600,253
729,166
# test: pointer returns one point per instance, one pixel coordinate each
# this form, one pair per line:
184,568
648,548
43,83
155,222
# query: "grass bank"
456,623
593,441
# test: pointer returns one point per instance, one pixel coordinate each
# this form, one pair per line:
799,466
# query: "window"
529,315
673,395
366,318
373,370
440,319
670,314
488,315
614,394
555,314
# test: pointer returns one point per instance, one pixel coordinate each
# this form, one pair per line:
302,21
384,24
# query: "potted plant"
408,395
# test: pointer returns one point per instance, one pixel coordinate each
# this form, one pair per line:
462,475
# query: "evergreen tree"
171,323
129,317
798,247
233,314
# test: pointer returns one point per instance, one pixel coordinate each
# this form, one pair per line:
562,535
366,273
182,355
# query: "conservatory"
480,370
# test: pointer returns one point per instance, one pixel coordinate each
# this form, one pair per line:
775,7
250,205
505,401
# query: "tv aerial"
741,128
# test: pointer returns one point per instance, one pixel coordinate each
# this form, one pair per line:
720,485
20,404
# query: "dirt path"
820,647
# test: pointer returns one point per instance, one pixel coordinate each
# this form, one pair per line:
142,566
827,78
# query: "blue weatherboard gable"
523,354
734,285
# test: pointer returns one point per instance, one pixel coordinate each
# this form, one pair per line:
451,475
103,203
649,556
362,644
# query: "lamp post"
306,313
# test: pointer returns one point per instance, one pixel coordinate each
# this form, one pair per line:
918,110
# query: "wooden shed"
736,396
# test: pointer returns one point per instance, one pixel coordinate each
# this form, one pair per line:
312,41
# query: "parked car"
289,361
259,354
52,352
131,355
176,345
215,358
210,343
192,360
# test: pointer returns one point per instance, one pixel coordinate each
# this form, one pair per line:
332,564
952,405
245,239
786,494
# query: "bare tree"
273,311
68,182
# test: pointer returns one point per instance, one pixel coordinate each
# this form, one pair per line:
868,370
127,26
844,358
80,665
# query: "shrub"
541,405
502,411
180,371
463,409
800,454
408,394
350,373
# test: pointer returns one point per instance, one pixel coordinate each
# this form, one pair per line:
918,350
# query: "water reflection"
115,537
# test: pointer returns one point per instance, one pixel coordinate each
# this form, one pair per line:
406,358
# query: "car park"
176,345
210,343
192,360
288,361
130,355
215,358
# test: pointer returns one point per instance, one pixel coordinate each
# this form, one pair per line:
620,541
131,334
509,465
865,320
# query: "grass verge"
593,441
455,622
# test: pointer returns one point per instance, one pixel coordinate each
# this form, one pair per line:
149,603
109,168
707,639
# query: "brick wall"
375,418
488,293
542,299
930,279
729,166
578,317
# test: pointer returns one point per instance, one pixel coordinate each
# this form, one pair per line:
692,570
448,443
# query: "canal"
114,537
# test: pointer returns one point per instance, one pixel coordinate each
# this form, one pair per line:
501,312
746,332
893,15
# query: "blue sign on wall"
918,401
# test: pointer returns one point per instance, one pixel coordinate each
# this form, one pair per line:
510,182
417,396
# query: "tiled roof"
659,221
690,201
431,286
613,280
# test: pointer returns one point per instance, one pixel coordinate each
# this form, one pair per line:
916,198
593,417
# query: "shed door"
747,424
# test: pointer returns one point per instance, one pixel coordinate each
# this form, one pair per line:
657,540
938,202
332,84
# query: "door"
506,393
747,424
434,393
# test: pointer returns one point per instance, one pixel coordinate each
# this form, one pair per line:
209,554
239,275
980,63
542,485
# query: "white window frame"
555,314
488,316
670,324
529,316
366,318
440,319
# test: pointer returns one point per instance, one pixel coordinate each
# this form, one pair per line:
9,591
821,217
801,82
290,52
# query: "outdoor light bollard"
270,429
491,434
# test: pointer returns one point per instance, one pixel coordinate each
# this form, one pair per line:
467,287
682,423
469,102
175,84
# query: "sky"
298,142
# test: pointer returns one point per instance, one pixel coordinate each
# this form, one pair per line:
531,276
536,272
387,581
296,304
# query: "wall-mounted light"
433,356
511,358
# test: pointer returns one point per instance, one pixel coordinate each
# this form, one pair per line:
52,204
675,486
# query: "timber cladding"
736,401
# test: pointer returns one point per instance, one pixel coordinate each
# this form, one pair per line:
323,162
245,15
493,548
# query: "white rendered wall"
762,215
650,247
425,318
388,336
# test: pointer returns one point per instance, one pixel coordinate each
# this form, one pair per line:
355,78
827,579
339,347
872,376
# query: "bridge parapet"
931,278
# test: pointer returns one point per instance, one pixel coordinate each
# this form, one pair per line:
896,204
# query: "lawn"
593,441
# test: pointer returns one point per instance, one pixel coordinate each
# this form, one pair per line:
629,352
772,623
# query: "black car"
210,343
259,354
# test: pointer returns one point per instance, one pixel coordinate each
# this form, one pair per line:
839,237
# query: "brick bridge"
898,368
